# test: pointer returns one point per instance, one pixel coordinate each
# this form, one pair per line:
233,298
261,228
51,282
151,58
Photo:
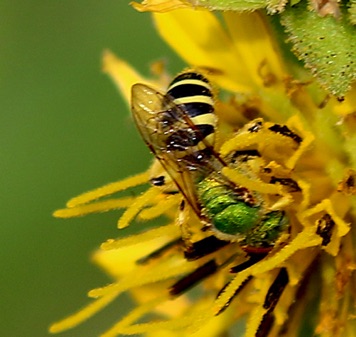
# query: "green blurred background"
64,130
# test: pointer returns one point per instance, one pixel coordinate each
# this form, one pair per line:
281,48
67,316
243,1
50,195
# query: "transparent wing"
169,133
146,104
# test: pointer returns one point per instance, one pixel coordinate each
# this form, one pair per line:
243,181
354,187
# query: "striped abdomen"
192,93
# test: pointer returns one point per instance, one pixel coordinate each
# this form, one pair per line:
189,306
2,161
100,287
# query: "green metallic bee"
179,128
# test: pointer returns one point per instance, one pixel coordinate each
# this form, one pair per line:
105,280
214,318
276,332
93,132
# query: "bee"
179,128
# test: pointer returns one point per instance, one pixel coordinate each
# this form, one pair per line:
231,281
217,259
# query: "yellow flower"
305,284
160,5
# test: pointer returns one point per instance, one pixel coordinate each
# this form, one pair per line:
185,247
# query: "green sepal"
232,5
326,45
352,12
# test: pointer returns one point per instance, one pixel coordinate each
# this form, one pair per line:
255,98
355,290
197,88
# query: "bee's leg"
253,258
198,275
285,131
290,184
304,289
193,252
286,199
204,247
272,297
160,251
193,278
237,291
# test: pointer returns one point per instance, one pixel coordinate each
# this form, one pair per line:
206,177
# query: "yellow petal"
108,189
121,261
159,5
83,314
171,230
255,45
347,106
140,202
134,315
122,74
198,37
94,207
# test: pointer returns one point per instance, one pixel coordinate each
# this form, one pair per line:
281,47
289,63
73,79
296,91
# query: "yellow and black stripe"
192,93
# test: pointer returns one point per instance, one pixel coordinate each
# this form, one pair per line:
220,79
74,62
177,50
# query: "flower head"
288,151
